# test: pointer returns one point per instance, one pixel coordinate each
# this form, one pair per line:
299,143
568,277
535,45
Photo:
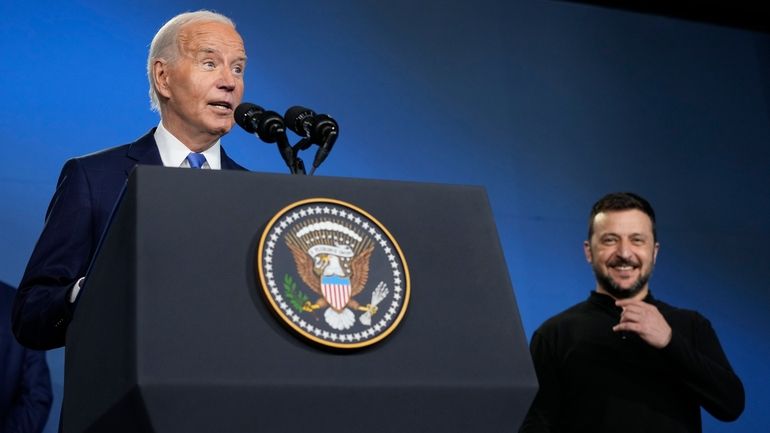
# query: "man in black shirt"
623,360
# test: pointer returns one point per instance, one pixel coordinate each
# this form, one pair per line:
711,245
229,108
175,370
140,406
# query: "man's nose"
624,249
227,80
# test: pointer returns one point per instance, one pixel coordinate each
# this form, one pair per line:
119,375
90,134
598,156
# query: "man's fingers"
639,312
626,326
631,316
645,320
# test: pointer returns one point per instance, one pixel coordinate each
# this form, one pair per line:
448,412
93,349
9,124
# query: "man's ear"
587,251
160,74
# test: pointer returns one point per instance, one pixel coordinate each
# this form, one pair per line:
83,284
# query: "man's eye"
238,70
209,64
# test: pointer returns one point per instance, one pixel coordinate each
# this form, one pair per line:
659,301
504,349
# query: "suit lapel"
227,163
143,151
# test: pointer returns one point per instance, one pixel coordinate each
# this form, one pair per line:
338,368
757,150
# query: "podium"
172,332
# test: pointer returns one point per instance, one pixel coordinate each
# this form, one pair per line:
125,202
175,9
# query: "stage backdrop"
547,104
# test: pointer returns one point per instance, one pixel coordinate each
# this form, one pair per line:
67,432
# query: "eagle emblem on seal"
333,261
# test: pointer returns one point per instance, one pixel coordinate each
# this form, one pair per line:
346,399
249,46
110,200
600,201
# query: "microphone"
268,125
298,119
324,149
306,123
318,129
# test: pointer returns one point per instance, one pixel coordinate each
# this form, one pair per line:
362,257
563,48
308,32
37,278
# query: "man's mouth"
221,106
623,265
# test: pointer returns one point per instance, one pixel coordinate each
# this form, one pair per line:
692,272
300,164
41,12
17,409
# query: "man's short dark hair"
618,201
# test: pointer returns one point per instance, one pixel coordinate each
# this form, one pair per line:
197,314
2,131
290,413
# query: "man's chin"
219,125
621,293
221,130
617,291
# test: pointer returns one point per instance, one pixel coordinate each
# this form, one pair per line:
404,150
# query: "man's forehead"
625,221
210,36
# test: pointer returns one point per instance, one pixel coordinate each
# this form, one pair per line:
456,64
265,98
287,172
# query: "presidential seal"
333,273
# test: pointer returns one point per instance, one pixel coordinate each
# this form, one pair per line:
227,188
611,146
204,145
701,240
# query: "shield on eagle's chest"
336,291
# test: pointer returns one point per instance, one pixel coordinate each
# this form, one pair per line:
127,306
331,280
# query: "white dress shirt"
174,154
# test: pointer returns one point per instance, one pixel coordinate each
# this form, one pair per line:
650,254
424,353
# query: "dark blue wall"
549,105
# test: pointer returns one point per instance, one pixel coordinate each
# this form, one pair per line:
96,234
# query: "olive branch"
296,297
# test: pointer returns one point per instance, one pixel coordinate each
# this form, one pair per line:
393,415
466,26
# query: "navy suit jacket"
77,216
25,385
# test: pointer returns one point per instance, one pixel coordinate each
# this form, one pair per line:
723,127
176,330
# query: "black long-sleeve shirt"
593,379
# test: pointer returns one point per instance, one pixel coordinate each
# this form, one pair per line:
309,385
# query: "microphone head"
269,126
247,116
300,120
324,126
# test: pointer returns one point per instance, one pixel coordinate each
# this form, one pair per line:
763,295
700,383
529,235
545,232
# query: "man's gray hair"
165,44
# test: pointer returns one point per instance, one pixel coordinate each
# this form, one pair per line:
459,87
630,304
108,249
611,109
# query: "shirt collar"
174,153
607,302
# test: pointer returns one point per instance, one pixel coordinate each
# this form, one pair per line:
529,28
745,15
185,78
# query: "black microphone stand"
299,166
289,154
303,144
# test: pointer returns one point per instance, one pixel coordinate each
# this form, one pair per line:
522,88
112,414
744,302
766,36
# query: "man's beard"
611,287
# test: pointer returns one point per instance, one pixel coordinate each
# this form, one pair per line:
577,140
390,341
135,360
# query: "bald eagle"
326,270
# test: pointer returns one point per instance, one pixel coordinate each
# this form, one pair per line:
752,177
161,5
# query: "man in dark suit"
25,385
195,68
